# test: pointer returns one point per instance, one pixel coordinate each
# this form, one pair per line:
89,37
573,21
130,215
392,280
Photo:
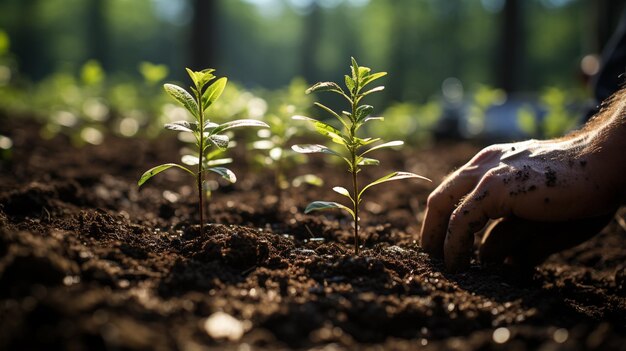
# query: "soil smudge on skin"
551,178
523,174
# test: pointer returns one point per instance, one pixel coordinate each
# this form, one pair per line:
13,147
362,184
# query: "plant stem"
356,209
200,160
355,186
201,198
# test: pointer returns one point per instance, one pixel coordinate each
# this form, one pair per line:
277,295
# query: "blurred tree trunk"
510,64
605,16
399,59
28,44
204,34
310,43
98,38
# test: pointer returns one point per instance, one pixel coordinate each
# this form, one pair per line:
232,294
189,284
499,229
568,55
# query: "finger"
440,205
470,216
522,242
443,200
499,241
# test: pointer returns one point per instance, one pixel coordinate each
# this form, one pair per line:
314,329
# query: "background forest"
447,59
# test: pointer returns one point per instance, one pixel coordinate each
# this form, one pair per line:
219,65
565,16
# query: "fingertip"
495,245
431,242
432,233
457,251
457,263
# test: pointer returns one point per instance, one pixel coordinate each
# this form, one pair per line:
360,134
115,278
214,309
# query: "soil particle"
482,196
29,259
620,280
523,174
551,178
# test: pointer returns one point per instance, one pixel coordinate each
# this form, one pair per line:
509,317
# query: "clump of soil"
88,262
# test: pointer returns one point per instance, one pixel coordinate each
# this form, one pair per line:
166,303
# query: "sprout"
206,133
353,148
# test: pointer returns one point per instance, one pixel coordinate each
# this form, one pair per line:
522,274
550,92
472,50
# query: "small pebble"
560,335
501,335
221,325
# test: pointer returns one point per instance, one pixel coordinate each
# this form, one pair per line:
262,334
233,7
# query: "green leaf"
239,123
213,92
220,140
343,191
363,111
158,169
325,86
201,78
349,83
181,95
372,77
365,161
388,144
363,72
217,162
182,126
326,205
333,113
311,179
225,173
367,119
313,149
366,141
355,69
210,125
390,177
373,90
324,129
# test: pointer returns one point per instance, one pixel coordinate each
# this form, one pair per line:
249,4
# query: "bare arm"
577,177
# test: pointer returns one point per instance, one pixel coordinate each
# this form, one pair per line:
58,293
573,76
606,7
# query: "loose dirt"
89,262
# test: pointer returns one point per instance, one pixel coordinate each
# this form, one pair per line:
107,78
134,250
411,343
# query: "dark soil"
89,262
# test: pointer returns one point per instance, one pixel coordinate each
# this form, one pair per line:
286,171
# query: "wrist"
606,149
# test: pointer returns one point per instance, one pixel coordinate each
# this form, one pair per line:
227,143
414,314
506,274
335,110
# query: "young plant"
205,132
353,148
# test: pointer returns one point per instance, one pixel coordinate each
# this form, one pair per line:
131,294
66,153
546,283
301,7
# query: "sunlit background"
474,59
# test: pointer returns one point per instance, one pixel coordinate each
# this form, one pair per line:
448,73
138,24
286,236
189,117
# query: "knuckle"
487,155
491,176
434,199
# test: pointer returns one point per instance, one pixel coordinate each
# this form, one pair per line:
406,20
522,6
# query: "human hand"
532,185
522,243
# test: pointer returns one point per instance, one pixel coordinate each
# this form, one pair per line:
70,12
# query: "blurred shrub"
555,116
483,98
411,122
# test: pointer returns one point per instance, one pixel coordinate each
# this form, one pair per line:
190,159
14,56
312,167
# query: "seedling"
352,148
205,132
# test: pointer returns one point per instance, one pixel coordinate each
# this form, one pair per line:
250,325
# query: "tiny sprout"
353,147
205,132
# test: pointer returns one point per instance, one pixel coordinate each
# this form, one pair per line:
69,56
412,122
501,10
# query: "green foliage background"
268,42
